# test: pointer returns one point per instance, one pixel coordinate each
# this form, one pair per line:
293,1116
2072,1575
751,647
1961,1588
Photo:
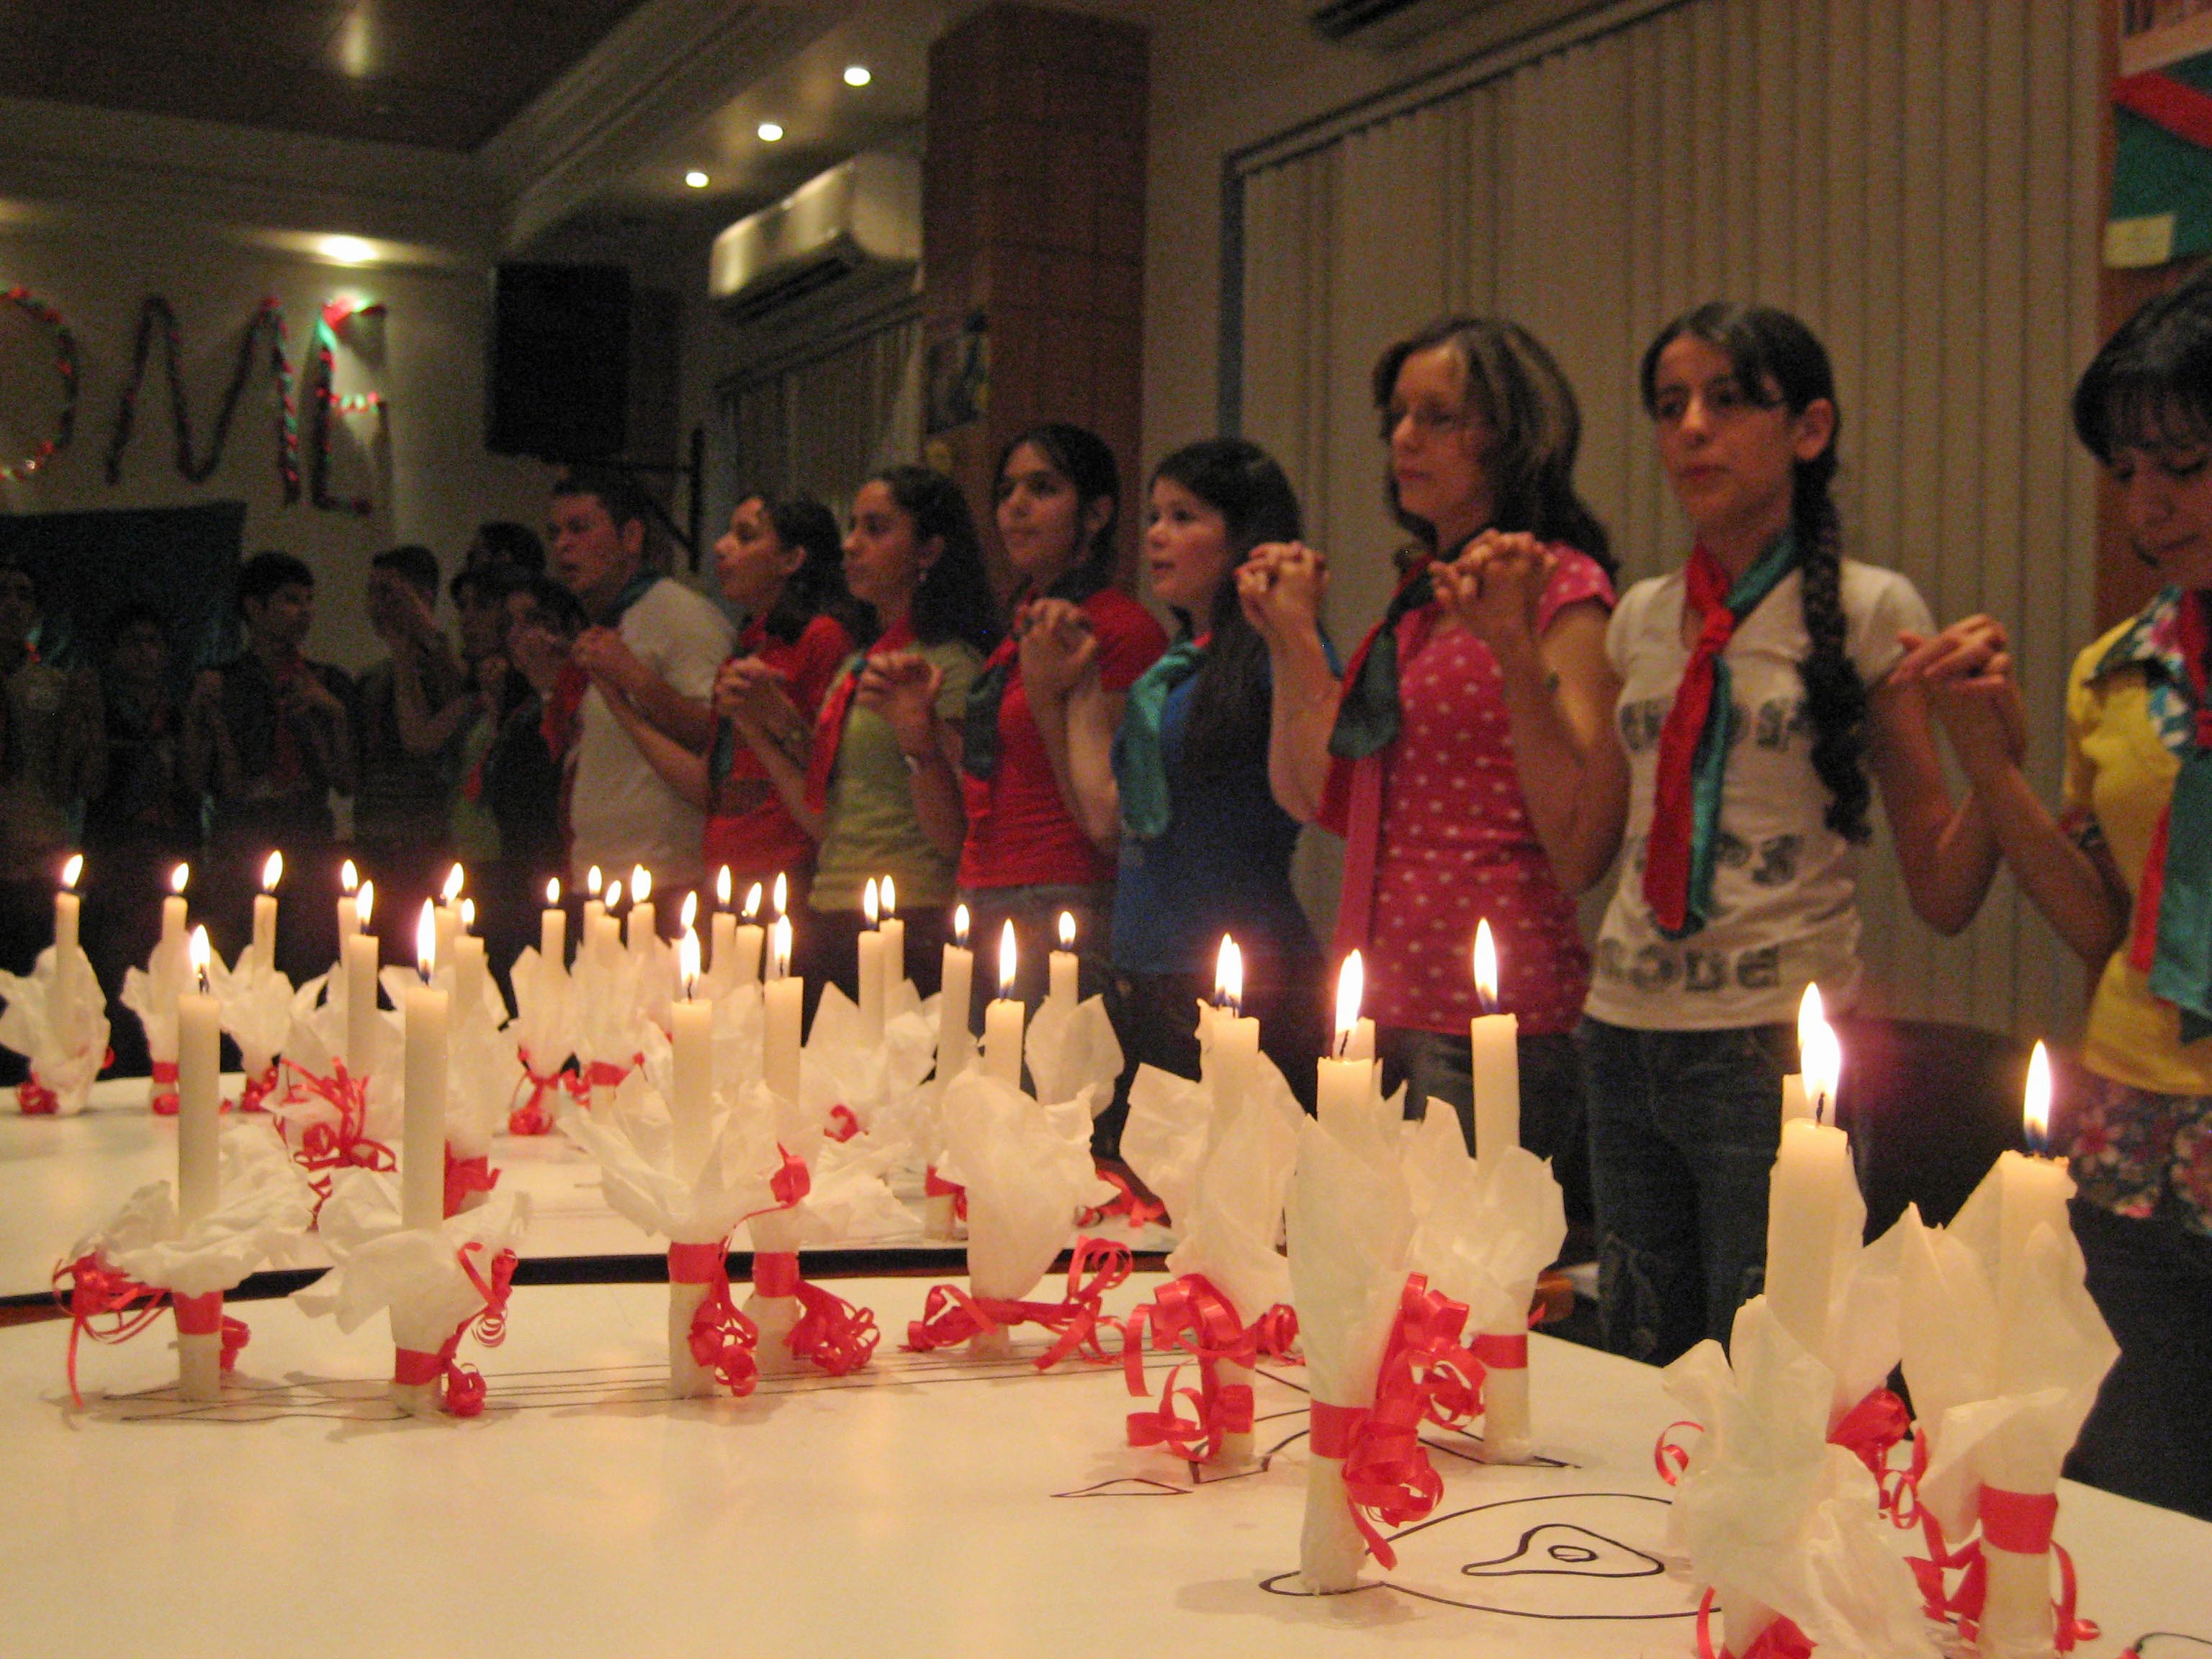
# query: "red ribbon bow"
831,1332
325,1148
842,1125
253,1094
1781,1639
722,1338
531,1118
1191,1315
108,1305
465,1175
1870,1431
935,1186
34,1099
465,1385
163,1099
1140,1211
603,1074
950,1315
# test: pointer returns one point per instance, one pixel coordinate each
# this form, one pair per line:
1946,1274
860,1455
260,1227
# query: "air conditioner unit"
1384,22
860,219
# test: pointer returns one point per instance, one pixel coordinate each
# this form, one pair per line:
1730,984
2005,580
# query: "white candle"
1344,1085
1808,1205
1003,1019
1495,1057
174,916
358,956
199,1091
776,969
607,937
1233,1042
870,944
264,914
553,927
471,979
893,928
422,1133
68,913
644,922
1060,965
2033,1190
955,1039
595,910
348,919
783,1000
1795,1102
692,1039
448,914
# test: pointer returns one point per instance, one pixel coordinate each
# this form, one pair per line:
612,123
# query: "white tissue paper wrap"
1484,1229
1071,1047
875,1081
603,1025
151,992
541,1027
318,1029
257,1007
2011,1431
1351,1225
1771,1513
65,1060
633,1140
416,1272
482,1076
738,1034
263,1209
1028,1171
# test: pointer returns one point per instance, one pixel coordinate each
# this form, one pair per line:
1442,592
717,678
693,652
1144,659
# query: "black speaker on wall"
558,387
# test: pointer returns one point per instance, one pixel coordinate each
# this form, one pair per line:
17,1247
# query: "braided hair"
1778,361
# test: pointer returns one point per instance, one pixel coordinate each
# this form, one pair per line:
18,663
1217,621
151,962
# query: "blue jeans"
1683,1127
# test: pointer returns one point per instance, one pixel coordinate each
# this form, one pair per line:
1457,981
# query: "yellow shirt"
2119,773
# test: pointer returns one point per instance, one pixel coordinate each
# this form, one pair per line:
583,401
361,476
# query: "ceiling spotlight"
856,74
697,179
347,249
770,132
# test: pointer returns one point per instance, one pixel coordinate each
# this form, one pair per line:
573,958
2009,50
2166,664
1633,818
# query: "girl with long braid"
1759,700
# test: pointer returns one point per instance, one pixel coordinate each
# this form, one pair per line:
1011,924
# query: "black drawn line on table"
2136,1647
1119,1484
1653,1566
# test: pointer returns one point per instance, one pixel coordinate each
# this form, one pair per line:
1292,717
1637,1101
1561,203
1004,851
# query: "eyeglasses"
1430,421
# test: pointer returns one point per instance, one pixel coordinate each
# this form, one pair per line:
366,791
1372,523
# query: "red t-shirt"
763,838
1020,833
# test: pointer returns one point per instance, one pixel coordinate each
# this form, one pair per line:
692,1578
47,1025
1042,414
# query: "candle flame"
1821,1061
593,880
722,887
73,869
180,878
1351,986
2035,1110
272,872
363,902
349,877
752,901
890,897
197,950
1067,931
782,895
1229,975
687,959
614,895
1486,966
451,889
690,915
780,942
1007,958
869,905
1810,1014
640,884
553,894
468,915
960,925
426,939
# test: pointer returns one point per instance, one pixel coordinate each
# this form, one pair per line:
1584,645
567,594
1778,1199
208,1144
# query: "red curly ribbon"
722,1338
465,1175
1191,1315
465,1385
934,1186
97,1293
842,1125
253,1094
34,1099
1871,1429
2020,1523
163,1099
1141,1212
833,1334
327,1148
1781,1639
1426,1376
950,1314
532,1117
791,1183
1669,1454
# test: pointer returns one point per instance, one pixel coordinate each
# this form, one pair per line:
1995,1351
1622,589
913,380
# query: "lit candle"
422,1131
751,937
1795,1102
553,927
606,937
643,922
1234,1046
782,1001
1060,965
870,944
955,1040
722,968
348,917
692,1039
1495,1053
1003,1019
1808,1207
448,914
595,910
470,977
199,1166
2033,1190
1345,1083
264,914
68,913
174,916
359,959
893,928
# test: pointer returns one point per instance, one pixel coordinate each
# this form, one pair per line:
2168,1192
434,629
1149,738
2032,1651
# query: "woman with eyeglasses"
1439,755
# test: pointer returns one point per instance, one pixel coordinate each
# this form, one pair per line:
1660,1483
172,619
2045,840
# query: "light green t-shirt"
872,828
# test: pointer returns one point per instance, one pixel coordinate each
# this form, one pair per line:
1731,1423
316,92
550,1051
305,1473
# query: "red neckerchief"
836,705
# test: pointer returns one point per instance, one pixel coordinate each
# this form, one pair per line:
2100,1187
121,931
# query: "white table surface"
61,1178
926,1506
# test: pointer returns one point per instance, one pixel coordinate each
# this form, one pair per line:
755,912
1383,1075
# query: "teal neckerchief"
1140,766
1368,713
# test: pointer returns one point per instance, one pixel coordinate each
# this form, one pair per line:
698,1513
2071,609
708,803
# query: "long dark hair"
1084,458
1229,693
2151,383
817,588
1535,427
1776,359
953,599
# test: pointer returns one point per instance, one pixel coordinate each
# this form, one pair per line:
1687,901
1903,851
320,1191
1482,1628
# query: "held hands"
1059,650
1494,589
603,655
1965,673
1280,586
750,693
902,687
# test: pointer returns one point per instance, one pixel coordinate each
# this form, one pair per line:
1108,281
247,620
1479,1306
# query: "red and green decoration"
268,319
336,315
2161,206
66,365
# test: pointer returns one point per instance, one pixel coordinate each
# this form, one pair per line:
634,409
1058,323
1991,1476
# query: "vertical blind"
1917,179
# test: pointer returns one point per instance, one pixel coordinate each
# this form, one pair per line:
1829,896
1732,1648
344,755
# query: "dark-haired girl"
873,782
1029,854
1205,849
1442,755
2124,875
1758,705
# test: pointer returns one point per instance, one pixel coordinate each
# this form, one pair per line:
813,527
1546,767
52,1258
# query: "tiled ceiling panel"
446,74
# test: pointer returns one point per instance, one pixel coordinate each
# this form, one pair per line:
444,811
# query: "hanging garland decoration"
64,365
335,314
269,316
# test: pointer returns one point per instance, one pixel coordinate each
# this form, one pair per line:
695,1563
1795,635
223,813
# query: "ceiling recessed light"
856,74
347,249
770,132
697,179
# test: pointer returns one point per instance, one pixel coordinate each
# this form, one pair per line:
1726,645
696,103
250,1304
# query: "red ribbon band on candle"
842,1125
722,1338
465,1175
1870,1431
934,1186
950,1315
604,1074
2019,1519
1333,1430
34,1099
775,1273
2020,1522
698,1264
163,1099
108,1305
1190,1315
1499,1352
1781,1639
465,1385
532,1117
326,1147
253,1094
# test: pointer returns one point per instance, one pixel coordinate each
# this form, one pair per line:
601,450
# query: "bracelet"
914,763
